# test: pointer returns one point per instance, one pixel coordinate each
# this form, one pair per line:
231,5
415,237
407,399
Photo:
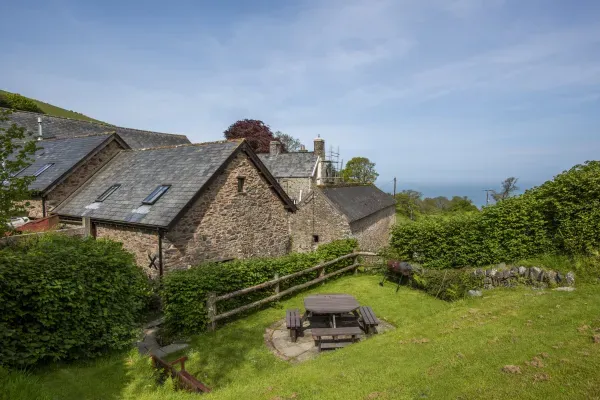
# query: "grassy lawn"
439,350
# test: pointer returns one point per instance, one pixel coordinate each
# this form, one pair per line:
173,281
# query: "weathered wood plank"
290,276
282,294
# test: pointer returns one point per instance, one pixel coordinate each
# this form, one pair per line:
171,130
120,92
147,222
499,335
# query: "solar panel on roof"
156,194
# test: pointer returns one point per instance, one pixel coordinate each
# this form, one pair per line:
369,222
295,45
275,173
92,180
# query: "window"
241,181
41,170
315,238
155,195
108,192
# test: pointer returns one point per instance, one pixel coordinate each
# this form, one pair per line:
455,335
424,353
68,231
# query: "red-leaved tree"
256,132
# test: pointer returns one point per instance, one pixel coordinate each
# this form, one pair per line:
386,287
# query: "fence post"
276,285
211,307
356,268
321,271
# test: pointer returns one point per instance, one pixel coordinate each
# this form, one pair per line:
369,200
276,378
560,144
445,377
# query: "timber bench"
293,322
368,319
318,333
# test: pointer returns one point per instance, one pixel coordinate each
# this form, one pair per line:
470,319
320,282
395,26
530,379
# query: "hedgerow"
185,292
65,298
562,216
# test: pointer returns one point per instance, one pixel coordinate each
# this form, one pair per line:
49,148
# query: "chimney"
40,132
274,148
320,147
303,149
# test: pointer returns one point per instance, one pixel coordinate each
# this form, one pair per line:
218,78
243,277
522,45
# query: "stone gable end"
316,216
373,232
224,223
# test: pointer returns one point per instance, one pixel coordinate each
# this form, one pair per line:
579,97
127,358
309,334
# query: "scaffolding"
335,166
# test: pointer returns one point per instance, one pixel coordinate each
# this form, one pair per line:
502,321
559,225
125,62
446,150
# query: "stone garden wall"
507,275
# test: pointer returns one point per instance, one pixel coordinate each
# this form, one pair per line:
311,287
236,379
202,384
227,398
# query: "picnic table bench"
293,321
318,334
368,319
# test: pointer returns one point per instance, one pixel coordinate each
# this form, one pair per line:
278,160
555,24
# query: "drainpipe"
43,207
160,254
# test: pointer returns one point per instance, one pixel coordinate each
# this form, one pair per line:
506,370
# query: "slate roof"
187,168
290,165
65,154
59,127
357,202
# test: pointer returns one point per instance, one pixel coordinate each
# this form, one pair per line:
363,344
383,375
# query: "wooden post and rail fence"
212,299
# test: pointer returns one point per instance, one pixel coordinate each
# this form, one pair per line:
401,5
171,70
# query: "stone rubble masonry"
226,224
504,275
222,224
293,187
141,243
34,209
317,216
373,232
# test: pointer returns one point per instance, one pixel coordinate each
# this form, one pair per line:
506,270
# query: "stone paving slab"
277,339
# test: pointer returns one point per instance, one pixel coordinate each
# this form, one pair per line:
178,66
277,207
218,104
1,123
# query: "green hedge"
64,298
184,292
562,216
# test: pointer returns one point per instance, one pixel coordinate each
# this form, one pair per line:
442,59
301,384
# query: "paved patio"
277,339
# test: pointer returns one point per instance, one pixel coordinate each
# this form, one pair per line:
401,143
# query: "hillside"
57,111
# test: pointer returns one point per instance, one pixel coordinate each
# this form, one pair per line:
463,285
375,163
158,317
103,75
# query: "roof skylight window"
43,169
108,192
156,194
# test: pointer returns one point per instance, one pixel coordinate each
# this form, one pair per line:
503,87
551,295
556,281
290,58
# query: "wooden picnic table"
330,305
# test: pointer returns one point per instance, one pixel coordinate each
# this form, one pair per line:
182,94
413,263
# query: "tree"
18,102
509,186
408,203
289,142
462,204
360,170
15,155
256,132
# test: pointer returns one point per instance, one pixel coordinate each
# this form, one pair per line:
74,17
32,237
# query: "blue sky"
450,96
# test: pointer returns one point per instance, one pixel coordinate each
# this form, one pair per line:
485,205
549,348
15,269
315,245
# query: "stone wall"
317,216
373,232
225,224
79,176
139,242
34,209
506,275
293,186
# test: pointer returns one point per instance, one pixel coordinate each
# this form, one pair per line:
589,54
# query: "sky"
448,96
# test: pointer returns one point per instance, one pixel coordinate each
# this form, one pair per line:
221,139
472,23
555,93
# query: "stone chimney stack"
274,148
320,147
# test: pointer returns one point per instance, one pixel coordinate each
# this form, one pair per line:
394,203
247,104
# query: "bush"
560,217
18,102
185,292
448,284
64,298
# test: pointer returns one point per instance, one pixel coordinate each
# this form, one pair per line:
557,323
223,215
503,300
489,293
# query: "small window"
155,195
41,170
241,181
315,238
108,192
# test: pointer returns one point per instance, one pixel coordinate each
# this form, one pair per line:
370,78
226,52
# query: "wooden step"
333,345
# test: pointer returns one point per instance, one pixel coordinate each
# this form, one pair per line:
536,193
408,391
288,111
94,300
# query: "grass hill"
50,109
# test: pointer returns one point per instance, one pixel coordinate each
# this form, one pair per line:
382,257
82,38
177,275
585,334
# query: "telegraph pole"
487,195
394,186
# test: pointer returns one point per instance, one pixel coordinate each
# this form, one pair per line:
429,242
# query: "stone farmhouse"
344,211
49,127
298,172
62,165
177,206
